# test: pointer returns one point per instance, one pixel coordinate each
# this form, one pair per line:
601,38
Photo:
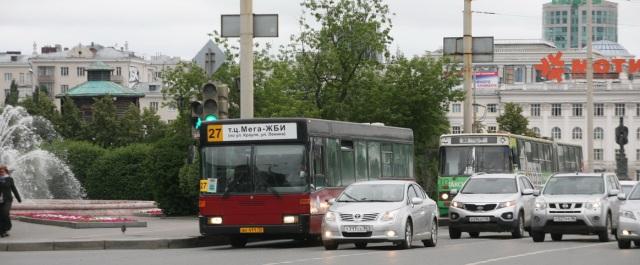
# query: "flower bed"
150,213
74,218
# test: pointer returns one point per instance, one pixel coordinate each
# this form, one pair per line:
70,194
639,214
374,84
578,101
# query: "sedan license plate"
251,230
356,228
479,219
564,218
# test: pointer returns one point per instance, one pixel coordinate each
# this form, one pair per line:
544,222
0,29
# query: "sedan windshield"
373,193
490,186
574,185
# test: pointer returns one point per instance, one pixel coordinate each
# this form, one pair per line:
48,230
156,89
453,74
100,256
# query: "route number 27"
214,133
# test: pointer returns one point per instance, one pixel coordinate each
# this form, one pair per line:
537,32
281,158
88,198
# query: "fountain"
45,182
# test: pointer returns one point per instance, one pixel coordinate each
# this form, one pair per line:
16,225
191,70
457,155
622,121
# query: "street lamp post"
246,59
468,57
589,160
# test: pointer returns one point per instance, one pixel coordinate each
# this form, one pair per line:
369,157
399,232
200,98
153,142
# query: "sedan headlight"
541,205
592,205
389,216
628,214
506,204
330,217
456,204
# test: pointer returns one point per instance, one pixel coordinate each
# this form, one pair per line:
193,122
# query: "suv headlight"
506,204
541,205
456,204
628,214
592,205
330,217
389,216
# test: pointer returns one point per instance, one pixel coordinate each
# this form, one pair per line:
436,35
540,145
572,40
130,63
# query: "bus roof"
508,135
339,129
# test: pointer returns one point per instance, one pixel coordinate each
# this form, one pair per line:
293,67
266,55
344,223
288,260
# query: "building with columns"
557,109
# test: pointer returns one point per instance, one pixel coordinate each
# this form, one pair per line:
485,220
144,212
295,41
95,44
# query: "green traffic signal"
210,117
197,122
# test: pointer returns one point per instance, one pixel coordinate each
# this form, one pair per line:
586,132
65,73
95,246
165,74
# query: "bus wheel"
238,242
474,234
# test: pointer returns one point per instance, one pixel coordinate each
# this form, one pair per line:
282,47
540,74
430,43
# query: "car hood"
631,205
571,198
485,198
365,207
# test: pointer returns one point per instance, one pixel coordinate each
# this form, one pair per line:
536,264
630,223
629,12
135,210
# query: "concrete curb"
80,225
190,242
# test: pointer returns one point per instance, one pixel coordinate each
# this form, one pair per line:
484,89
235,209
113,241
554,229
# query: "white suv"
492,203
577,203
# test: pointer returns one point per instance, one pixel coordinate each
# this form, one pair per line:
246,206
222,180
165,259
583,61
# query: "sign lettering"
552,67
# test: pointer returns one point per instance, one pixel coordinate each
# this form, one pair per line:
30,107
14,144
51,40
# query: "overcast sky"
179,28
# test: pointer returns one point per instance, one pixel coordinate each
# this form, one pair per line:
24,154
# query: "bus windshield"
255,169
490,186
466,160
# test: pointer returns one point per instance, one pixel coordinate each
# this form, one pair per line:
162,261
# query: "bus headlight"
290,219
444,196
216,220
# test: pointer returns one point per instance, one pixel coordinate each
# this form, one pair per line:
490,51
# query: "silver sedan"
629,219
381,211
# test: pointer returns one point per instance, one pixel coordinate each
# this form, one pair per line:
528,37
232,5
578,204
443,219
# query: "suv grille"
358,217
565,205
479,207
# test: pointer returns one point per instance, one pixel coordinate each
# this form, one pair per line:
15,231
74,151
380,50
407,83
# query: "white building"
557,110
14,66
59,69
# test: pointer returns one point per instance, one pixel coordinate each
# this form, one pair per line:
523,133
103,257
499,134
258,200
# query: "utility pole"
246,59
468,57
590,158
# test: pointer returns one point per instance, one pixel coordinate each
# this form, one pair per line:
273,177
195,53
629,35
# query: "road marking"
534,253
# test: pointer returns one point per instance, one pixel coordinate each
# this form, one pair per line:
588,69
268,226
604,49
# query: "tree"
40,104
153,128
512,120
104,122
12,98
130,129
71,124
182,84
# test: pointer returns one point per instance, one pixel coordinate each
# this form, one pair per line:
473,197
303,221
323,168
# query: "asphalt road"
492,249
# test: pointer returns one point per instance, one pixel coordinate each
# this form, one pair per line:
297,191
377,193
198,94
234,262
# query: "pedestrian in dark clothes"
7,187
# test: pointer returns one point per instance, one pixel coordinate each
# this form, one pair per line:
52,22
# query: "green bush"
119,174
79,155
163,167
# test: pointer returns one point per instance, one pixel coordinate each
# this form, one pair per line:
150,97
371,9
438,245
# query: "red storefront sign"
552,66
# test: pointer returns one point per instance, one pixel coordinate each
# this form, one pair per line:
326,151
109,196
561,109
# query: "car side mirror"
536,193
622,196
527,192
416,201
613,193
331,201
453,192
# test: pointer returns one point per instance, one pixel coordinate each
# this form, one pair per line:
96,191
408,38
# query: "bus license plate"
564,218
479,219
251,230
356,228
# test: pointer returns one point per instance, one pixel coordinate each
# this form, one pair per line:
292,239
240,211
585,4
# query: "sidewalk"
178,232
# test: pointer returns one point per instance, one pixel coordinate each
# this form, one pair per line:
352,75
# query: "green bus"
461,155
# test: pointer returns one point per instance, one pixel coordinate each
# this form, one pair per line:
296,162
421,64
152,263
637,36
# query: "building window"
597,154
638,134
492,108
118,71
598,133
577,110
64,71
576,134
157,75
8,77
64,88
556,133
455,130
153,87
153,106
536,130
80,71
637,109
535,110
492,129
619,109
637,154
455,107
21,78
556,110
598,110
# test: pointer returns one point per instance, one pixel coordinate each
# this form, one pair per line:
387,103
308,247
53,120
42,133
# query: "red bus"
272,178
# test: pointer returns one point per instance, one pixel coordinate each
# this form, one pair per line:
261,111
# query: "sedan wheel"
604,235
433,241
330,245
361,245
408,237
624,244
537,236
454,233
518,232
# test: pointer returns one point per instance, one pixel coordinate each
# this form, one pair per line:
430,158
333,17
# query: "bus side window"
373,155
361,161
387,160
319,175
347,162
333,163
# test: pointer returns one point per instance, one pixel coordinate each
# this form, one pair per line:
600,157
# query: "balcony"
46,79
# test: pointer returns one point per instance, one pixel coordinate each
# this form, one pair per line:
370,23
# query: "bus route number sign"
218,133
214,133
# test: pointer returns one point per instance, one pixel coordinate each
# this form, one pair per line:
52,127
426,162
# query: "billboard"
486,80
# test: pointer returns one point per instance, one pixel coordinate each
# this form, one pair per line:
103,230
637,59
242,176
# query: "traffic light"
196,114
210,102
223,102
